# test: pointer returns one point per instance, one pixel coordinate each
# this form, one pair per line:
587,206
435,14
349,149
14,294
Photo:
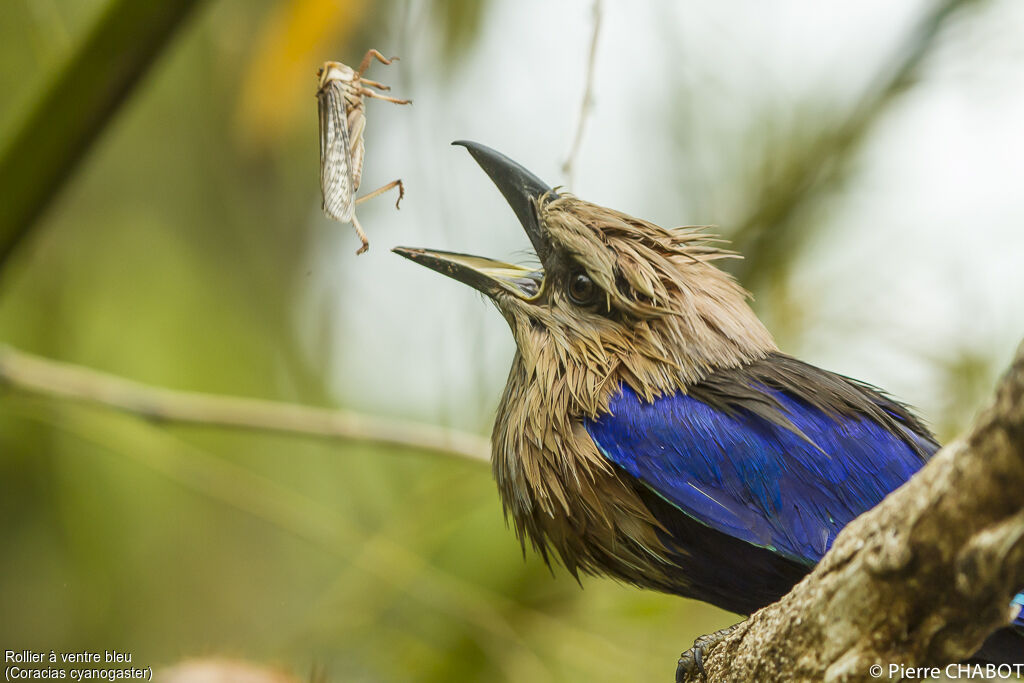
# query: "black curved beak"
522,190
483,274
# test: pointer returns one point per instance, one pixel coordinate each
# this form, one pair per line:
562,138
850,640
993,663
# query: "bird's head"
615,299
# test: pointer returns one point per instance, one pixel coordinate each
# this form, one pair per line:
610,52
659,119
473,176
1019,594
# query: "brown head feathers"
659,316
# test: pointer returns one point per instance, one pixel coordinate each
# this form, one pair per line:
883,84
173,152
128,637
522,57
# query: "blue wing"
778,454
787,484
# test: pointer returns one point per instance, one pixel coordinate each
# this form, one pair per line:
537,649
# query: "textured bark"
920,580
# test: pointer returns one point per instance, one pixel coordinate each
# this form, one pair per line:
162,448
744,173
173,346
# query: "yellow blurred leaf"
280,79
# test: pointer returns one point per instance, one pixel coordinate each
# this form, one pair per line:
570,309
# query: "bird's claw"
692,661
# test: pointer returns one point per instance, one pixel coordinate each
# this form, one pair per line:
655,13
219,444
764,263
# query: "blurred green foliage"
458,24
76,104
178,256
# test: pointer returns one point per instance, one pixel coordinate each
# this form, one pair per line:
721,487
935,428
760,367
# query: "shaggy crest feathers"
634,261
664,298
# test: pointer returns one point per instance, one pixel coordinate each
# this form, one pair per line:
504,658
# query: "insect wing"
336,182
356,125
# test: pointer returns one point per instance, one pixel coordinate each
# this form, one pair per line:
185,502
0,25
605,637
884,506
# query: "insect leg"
370,54
362,235
366,92
375,84
381,190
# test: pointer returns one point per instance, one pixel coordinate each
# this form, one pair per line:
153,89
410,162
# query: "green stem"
76,105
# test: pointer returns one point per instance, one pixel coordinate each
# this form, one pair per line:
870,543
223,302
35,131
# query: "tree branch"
33,374
920,580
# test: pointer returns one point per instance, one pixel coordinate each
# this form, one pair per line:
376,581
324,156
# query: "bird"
651,430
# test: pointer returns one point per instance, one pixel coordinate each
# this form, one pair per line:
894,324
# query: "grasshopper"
342,121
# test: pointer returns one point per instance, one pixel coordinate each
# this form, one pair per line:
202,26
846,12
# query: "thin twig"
569,167
30,373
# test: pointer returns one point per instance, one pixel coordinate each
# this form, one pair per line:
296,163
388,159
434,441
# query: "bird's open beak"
522,190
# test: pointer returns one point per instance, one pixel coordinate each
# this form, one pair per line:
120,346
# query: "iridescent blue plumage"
785,473
787,489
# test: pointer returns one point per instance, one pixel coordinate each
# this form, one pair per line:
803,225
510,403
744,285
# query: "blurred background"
866,158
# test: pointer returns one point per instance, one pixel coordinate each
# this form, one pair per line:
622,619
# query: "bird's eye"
582,290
